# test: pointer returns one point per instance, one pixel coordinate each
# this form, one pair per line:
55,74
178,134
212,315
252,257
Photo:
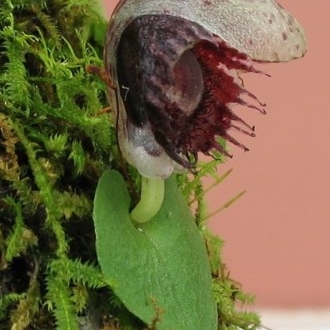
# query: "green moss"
53,148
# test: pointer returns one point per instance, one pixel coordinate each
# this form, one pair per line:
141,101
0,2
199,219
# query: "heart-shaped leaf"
160,269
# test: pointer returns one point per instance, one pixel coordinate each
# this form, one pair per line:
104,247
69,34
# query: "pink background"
277,235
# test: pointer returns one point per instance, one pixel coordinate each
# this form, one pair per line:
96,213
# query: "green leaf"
160,269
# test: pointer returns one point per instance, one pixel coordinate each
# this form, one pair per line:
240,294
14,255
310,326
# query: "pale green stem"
152,196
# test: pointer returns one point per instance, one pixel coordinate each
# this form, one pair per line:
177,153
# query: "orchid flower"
175,71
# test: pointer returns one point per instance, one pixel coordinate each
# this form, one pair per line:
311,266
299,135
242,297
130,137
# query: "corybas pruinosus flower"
175,67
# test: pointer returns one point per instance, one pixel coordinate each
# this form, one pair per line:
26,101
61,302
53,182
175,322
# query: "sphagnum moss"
53,148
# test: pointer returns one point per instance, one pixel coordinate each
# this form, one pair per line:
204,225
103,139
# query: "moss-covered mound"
54,145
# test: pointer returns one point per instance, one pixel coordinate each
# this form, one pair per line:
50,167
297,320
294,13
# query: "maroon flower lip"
184,82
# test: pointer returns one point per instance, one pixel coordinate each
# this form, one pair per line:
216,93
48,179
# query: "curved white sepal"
260,28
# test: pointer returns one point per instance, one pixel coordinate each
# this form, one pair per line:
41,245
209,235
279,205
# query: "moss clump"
53,148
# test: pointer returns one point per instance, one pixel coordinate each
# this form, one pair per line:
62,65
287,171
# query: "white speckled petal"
260,28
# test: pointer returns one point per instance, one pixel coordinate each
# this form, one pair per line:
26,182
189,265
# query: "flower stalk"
152,196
